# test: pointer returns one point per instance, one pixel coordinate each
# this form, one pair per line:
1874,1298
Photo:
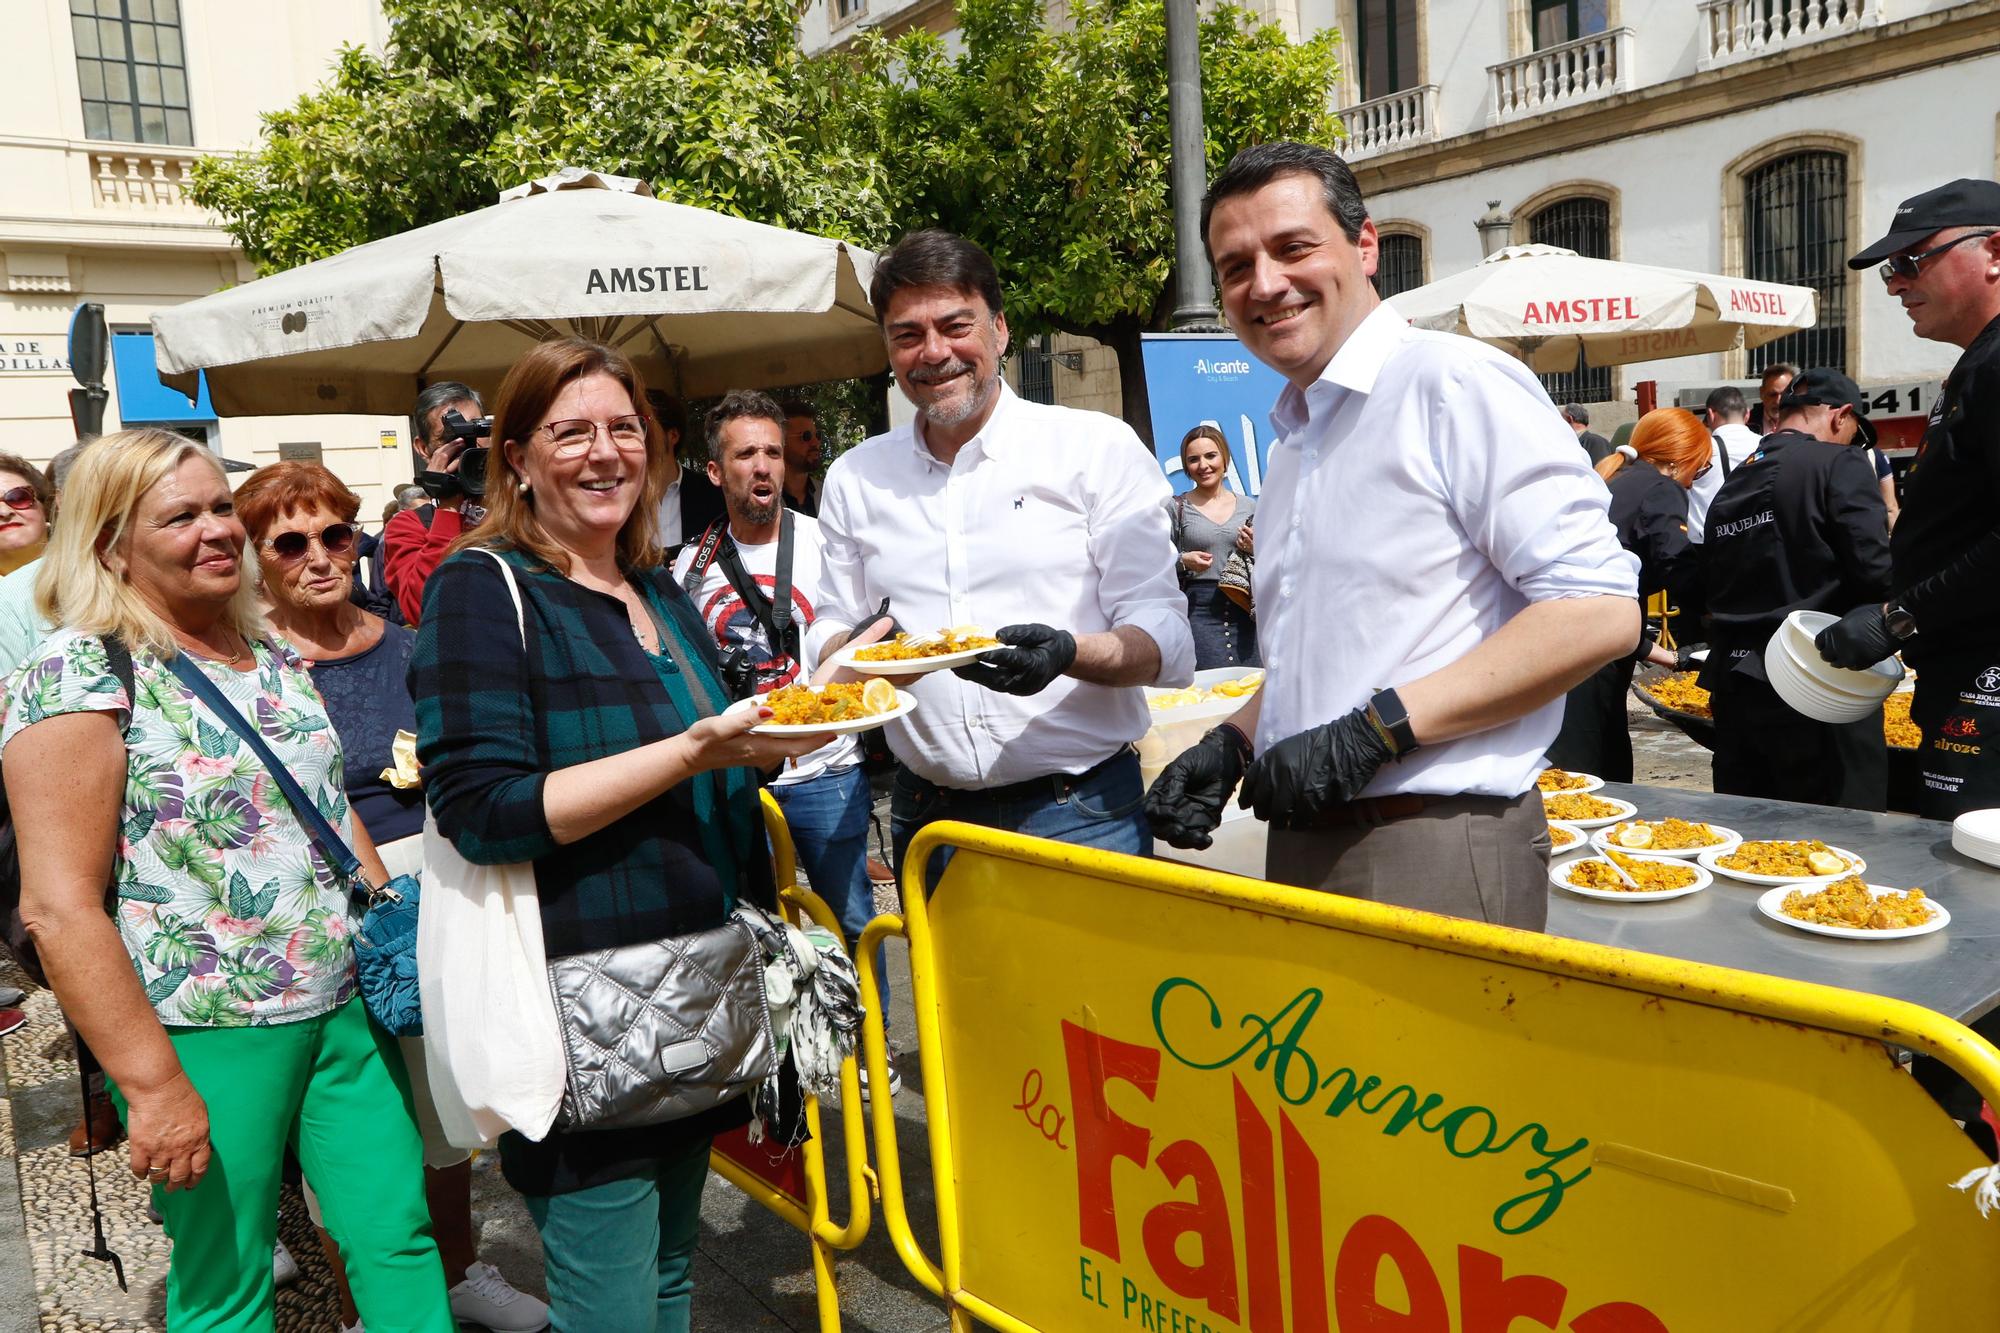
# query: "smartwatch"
1898,620
1386,711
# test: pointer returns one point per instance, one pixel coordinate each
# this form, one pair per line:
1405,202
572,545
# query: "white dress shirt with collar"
1419,495
670,534
1741,442
1049,515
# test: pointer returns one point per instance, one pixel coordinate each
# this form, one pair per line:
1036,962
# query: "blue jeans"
621,1255
1100,809
828,817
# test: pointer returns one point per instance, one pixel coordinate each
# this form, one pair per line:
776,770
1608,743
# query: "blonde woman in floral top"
218,989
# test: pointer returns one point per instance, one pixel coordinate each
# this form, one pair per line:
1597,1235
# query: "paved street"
753,1272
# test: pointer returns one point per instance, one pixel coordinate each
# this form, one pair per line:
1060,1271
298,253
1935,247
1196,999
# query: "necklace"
203,651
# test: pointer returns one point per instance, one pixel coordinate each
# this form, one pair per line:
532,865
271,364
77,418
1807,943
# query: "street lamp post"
1193,287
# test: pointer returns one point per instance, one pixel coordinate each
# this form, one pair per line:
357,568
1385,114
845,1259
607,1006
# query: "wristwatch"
1900,622
1386,712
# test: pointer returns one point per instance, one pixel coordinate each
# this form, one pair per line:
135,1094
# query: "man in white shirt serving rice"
1435,569
1044,525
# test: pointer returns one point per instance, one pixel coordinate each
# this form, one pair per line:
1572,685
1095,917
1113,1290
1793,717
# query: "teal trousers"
334,1089
621,1255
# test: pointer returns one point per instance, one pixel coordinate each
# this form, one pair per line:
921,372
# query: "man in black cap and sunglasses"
1941,259
1799,526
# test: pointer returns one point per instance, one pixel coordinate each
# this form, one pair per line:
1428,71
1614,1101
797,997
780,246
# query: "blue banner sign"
1193,378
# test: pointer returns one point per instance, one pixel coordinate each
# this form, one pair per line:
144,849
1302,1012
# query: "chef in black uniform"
1941,259
1649,478
1943,611
1799,526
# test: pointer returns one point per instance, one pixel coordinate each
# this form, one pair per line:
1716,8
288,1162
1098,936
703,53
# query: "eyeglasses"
1906,267
337,539
573,436
20,497
1702,471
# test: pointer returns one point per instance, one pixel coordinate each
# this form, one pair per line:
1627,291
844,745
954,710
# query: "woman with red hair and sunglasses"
1649,476
300,518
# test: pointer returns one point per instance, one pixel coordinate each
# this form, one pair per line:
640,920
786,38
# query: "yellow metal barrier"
1182,1102
805,1204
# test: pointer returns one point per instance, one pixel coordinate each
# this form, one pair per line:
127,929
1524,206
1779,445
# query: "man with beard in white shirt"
1044,525
1434,564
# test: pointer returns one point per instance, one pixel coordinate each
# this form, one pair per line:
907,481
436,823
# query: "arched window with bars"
1583,224
1401,264
1795,231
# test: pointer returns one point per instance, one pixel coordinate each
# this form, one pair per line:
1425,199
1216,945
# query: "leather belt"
1372,810
1057,786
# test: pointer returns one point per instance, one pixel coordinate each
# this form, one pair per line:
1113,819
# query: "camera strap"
773,612
704,556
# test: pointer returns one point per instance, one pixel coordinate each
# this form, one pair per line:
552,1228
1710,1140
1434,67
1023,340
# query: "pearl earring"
521,487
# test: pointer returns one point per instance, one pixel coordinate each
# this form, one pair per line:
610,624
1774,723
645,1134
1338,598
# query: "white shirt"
670,534
1419,495
733,626
1741,442
1049,515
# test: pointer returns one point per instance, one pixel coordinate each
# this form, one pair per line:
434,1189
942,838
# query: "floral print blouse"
229,913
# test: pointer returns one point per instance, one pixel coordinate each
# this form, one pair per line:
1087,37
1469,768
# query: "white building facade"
109,103
1760,138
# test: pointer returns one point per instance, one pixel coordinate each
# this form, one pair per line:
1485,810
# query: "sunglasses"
288,546
1906,267
20,497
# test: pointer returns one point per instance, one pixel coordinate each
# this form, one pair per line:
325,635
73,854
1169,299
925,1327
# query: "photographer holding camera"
448,430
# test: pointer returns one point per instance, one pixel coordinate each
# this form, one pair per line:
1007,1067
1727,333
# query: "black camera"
470,479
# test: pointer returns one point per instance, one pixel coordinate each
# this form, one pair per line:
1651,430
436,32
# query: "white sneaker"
284,1268
488,1299
355,1327
895,1081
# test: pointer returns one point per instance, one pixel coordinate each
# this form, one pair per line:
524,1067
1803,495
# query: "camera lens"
472,470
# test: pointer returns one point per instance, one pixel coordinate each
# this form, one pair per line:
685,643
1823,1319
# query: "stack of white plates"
1814,686
1976,834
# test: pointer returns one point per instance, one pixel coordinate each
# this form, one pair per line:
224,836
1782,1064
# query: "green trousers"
619,1257
333,1088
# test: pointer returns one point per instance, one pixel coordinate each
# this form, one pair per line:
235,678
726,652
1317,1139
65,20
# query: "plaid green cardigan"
493,722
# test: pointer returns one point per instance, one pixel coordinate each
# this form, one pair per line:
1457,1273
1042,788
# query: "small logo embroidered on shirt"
1020,500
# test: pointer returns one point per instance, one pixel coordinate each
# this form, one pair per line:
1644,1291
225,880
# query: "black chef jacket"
1799,526
1947,542
1649,510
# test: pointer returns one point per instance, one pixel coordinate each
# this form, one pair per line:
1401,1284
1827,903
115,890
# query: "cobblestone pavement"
752,1272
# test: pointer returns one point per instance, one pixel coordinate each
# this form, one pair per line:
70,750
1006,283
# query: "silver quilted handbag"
667,1029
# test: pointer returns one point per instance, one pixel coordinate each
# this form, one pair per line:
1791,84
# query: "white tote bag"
492,1041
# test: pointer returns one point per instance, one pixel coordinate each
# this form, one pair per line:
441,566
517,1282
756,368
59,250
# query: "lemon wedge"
878,696
1825,863
1633,835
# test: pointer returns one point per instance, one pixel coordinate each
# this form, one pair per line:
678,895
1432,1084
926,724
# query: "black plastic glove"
1184,804
1685,659
1301,777
1034,656
1859,639
881,614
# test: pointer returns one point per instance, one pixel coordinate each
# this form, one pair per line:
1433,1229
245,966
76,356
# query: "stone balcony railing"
1387,124
1560,76
144,178
1733,30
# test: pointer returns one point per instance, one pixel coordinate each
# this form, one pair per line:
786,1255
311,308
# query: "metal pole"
1193,287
